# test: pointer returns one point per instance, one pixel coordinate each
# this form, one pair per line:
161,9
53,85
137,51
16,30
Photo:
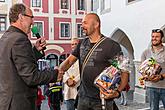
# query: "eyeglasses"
157,30
28,15
74,44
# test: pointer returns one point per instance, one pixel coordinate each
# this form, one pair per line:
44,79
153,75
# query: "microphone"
34,30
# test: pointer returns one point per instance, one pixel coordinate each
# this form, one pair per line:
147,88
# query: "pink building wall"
45,19
56,6
57,26
45,6
78,20
27,2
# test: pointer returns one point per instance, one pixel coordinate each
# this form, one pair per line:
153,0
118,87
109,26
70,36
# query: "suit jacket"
19,74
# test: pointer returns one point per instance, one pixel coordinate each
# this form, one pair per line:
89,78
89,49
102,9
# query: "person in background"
100,58
156,83
124,95
55,95
19,74
71,80
40,97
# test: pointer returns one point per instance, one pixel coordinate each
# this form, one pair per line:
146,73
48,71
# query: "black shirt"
98,61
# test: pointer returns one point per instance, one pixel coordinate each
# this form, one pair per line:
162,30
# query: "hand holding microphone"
41,42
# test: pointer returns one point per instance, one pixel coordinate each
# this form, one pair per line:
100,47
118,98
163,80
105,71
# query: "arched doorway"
163,29
53,60
120,37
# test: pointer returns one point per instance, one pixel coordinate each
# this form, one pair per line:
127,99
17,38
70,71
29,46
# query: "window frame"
105,6
42,22
67,5
69,30
81,6
3,22
129,1
79,31
38,6
2,0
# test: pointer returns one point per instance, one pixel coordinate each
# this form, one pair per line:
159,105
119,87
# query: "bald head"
91,24
94,16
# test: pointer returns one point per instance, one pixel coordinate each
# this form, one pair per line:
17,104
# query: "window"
130,0
65,30
94,5
81,4
79,30
105,4
53,60
43,64
39,26
64,4
2,24
36,3
2,0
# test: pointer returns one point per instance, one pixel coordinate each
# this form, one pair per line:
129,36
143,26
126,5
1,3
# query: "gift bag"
108,78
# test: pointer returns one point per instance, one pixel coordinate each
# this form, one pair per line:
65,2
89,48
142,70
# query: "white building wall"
4,10
136,20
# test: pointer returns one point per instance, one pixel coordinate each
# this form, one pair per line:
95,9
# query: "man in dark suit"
19,74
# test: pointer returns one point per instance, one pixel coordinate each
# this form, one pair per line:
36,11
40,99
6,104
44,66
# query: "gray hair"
15,10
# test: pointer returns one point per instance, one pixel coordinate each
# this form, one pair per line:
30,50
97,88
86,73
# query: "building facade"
57,20
130,22
4,10
4,7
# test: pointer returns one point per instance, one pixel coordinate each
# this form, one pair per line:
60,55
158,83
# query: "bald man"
89,94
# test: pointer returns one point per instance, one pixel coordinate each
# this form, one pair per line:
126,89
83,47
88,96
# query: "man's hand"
110,94
51,84
70,82
40,44
155,78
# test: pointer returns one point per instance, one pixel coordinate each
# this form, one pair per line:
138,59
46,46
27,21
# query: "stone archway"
163,29
119,36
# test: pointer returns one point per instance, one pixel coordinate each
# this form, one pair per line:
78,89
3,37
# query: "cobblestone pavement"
45,106
130,106
133,106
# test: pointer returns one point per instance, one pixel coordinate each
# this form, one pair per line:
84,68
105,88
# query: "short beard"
160,43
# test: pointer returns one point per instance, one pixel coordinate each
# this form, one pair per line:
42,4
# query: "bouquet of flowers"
148,68
111,76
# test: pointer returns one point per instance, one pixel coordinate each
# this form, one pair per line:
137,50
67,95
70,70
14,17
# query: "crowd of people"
20,78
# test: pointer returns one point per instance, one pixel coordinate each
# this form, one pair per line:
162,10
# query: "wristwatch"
161,77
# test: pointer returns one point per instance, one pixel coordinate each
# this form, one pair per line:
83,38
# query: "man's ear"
163,39
20,17
96,24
